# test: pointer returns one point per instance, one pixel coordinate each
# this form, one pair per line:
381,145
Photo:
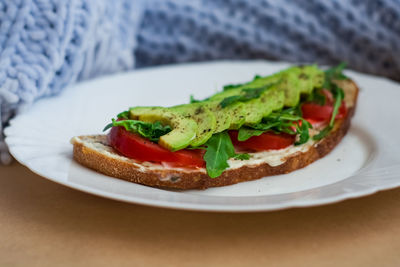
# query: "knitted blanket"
46,45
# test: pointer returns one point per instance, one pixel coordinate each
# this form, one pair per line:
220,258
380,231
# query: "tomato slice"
136,147
265,141
316,112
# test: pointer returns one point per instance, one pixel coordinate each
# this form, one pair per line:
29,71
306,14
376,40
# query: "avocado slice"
256,83
204,118
223,119
256,109
230,117
183,128
295,81
221,95
237,113
252,111
300,80
309,77
290,86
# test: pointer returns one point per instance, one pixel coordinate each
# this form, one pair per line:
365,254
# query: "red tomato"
342,111
136,147
265,141
317,112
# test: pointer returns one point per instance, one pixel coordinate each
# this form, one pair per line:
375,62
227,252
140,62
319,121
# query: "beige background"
46,224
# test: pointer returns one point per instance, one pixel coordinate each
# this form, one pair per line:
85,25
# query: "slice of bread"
94,152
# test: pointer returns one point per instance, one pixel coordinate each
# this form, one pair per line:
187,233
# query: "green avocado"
309,77
230,117
293,82
298,80
183,128
256,109
202,115
290,86
237,114
252,111
193,124
223,118
257,82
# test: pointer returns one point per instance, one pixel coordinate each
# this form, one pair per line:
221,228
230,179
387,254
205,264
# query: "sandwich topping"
266,117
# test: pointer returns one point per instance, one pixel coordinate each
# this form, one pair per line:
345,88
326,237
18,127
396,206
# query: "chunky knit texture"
46,45
366,34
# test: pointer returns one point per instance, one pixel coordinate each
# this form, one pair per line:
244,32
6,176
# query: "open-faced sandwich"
271,125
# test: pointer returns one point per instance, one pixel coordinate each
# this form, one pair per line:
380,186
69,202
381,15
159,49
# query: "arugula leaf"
232,86
243,156
251,93
268,124
336,73
193,100
247,95
245,133
219,150
285,123
151,131
280,122
256,77
322,133
276,125
339,96
123,115
108,126
230,100
303,132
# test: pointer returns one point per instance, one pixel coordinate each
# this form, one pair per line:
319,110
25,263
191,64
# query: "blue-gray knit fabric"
46,45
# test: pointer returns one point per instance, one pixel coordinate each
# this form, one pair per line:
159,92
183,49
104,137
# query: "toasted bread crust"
198,179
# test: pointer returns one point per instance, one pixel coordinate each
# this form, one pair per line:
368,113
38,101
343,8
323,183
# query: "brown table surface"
46,224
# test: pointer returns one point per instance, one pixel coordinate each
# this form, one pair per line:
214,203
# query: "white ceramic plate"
367,160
